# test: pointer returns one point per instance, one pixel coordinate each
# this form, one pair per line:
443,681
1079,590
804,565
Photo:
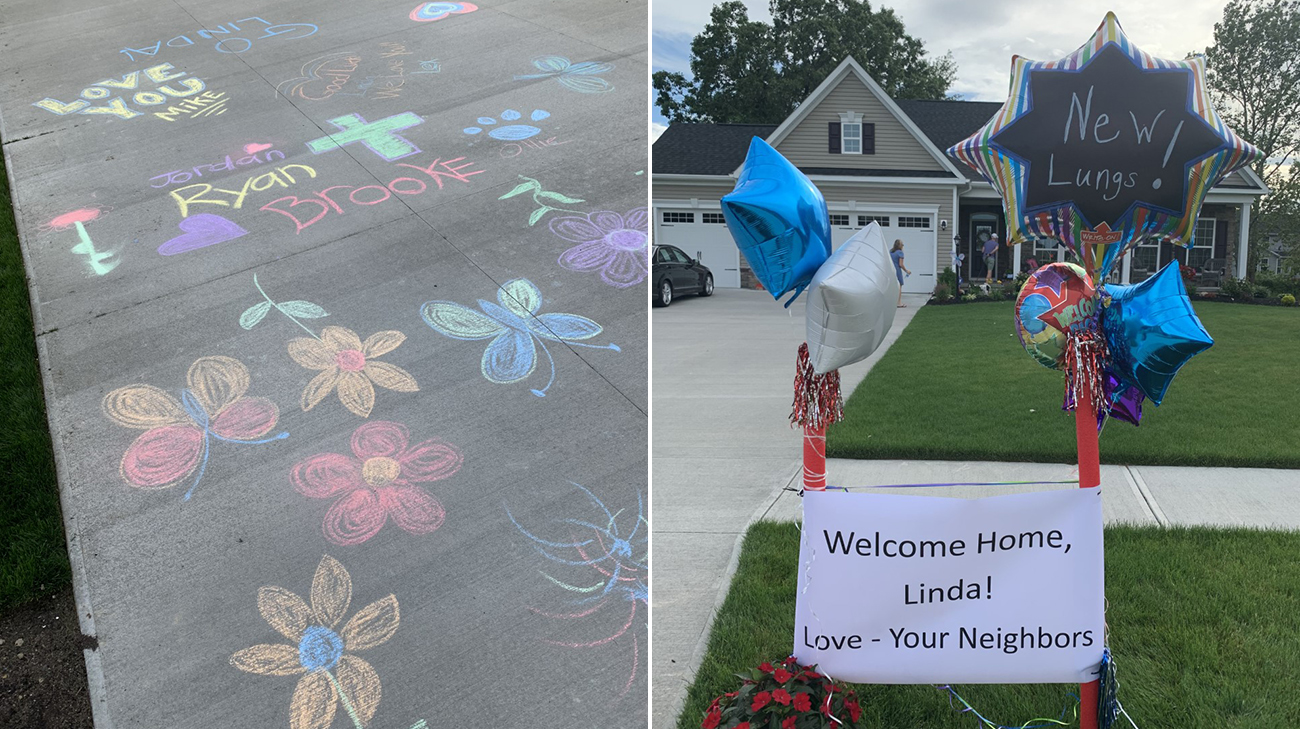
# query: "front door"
982,227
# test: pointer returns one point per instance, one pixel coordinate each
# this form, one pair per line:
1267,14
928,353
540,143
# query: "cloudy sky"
982,37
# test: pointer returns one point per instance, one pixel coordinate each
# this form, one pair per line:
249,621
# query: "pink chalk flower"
378,483
615,244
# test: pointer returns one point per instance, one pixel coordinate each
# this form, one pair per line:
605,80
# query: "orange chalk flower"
318,650
348,365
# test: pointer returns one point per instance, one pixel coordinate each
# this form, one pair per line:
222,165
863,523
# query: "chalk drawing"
296,311
429,12
197,194
116,106
231,44
607,242
581,77
430,66
323,77
510,132
97,261
322,652
607,554
541,198
254,153
355,73
201,231
377,482
514,326
439,171
379,136
178,433
208,103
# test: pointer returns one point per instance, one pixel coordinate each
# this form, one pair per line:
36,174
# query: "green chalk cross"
379,137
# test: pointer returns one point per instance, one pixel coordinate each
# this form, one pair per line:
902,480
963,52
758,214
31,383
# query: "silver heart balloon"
851,302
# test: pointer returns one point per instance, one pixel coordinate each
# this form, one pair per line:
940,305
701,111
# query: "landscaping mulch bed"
42,666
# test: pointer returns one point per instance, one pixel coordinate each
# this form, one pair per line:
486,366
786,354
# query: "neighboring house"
1274,255
881,159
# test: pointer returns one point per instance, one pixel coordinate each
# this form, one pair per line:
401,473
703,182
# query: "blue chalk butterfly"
580,77
515,328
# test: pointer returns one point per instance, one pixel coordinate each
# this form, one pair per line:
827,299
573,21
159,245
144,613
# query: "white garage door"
916,230
703,235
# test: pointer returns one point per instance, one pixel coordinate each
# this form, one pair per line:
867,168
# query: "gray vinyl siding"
706,194
896,148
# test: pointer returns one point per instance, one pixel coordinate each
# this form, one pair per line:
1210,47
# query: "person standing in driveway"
897,255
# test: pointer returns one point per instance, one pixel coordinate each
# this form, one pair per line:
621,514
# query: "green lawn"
32,549
1204,626
957,385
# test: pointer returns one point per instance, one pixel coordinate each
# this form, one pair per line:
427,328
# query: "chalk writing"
430,66
378,481
429,12
349,73
510,132
514,149
116,106
228,43
603,553
253,154
607,242
322,651
439,172
540,197
323,77
581,77
208,103
178,433
201,231
96,260
197,194
514,326
379,136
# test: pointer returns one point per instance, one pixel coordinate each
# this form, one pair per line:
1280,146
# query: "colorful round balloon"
1057,298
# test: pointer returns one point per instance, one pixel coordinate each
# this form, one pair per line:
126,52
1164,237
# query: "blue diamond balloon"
779,221
1152,331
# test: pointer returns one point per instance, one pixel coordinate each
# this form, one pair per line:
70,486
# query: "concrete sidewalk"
336,305
724,456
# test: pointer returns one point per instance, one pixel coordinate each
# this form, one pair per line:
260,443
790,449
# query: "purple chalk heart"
201,231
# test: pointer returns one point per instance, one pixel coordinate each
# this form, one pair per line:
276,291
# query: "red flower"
802,702
743,725
788,723
811,675
765,667
378,484
761,699
854,710
782,675
781,696
712,720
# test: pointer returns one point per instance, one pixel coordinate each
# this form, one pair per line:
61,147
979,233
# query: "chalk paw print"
509,132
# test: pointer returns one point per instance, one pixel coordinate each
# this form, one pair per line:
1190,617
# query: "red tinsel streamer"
1085,358
817,398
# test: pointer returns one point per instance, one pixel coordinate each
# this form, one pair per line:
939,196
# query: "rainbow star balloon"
1105,148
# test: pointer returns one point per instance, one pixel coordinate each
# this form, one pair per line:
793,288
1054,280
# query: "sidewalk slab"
454,508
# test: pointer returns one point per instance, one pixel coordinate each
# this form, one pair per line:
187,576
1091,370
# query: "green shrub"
942,292
1235,288
1260,292
948,278
1021,278
1277,284
1191,288
1288,300
968,297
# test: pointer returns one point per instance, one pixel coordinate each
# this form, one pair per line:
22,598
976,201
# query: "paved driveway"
269,245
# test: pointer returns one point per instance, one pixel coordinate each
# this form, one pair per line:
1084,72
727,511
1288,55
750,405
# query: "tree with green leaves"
1253,70
749,71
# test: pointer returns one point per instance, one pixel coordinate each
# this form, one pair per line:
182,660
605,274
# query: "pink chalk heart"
201,231
255,148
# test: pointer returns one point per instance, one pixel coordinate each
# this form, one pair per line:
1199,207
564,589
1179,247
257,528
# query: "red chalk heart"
255,148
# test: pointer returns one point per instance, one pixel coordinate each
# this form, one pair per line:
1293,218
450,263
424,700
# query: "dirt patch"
42,668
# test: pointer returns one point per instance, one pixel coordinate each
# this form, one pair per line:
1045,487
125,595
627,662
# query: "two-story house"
882,159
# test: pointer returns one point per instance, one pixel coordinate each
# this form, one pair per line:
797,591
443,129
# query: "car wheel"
665,294
707,288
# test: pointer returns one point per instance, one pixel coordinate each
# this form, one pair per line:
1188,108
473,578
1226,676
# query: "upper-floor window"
851,135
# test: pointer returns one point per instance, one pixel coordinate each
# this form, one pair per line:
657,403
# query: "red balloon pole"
814,459
1085,433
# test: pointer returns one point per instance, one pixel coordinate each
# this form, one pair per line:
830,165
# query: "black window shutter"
834,137
1220,240
868,138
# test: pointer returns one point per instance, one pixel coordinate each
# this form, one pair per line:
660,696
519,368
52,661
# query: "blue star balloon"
1152,331
779,221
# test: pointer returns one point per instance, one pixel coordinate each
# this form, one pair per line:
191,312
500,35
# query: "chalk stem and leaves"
295,310
543,198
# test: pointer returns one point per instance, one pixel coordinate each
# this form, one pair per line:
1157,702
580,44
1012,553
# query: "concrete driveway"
268,247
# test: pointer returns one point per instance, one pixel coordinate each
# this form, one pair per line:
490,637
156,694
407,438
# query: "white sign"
920,589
